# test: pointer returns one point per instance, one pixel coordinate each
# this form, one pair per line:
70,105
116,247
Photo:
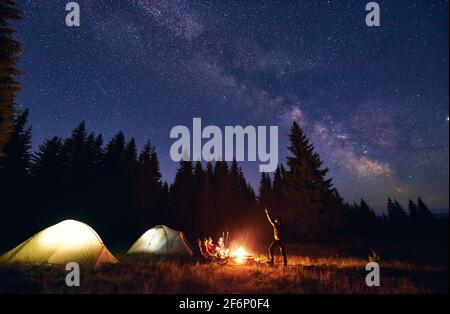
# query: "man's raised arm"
268,216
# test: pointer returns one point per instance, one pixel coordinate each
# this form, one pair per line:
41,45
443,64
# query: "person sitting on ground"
205,245
223,251
202,248
211,248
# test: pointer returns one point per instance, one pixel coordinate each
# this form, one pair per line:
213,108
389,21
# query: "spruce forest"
116,186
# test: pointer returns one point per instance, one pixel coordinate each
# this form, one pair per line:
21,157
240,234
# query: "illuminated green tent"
67,241
162,240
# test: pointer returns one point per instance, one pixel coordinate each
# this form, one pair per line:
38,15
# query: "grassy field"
313,268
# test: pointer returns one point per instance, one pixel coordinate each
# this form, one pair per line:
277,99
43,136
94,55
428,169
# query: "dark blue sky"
374,101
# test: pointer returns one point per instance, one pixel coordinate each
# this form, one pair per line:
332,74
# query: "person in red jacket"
211,248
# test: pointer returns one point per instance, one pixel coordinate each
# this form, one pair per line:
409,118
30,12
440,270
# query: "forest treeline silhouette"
119,190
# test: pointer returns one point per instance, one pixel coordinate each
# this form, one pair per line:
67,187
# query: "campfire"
240,255
221,253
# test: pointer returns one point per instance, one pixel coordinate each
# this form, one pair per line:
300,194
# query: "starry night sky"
374,101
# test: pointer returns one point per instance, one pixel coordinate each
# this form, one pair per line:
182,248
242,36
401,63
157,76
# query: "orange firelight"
240,255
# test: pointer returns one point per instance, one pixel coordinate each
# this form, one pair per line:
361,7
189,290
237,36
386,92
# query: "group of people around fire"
210,250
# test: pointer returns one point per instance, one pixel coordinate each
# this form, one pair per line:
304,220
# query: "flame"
240,255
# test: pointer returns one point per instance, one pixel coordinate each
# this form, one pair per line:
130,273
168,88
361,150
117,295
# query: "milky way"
374,101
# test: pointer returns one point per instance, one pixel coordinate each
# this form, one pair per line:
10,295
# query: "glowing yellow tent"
163,241
67,241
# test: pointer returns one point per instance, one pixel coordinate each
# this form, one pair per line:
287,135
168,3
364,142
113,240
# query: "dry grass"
312,269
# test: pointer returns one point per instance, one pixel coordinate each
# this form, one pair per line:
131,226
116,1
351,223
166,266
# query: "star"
145,66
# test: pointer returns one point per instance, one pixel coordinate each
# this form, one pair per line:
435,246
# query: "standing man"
278,238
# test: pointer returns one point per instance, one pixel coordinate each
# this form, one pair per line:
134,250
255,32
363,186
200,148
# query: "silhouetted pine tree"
385,228
237,188
115,207
196,220
413,212
265,191
424,212
242,213
156,184
49,179
93,180
428,223
76,171
182,197
361,220
129,174
221,190
349,219
368,219
414,219
277,189
398,219
15,165
48,161
164,200
207,201
151,203
9,58
145,174
17,215
313,209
